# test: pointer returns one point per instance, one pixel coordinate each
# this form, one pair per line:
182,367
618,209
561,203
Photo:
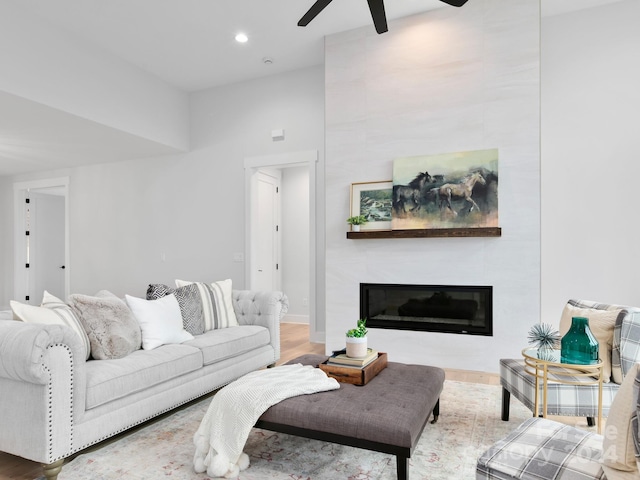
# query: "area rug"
469,423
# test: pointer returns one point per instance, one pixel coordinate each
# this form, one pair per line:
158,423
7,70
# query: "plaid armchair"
544,449
577,400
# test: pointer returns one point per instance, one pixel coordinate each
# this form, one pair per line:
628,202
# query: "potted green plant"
356,221
357,340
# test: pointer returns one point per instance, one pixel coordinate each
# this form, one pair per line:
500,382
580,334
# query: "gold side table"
550,369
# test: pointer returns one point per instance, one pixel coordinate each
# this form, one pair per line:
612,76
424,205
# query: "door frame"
20,278
251,167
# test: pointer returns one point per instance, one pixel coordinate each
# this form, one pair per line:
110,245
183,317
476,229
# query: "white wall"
295,242
49,66
445,81
190,208
236,122
590,167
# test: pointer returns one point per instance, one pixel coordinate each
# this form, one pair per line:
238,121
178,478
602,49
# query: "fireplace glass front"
435,308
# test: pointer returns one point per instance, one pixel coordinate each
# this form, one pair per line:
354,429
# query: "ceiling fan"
375,6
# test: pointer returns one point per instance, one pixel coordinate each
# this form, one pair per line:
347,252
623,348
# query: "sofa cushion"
160,321
601,324
618,444
113,331
108,380
217,304
220,344
189,301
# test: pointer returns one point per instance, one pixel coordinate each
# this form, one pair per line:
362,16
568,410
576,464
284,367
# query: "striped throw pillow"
54,312
217,306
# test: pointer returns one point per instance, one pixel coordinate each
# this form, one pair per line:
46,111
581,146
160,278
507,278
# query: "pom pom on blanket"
221,467
243,461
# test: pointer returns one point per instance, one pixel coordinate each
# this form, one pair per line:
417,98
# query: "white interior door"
47,242
267,236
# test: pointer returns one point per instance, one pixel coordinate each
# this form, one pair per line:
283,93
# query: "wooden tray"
355,376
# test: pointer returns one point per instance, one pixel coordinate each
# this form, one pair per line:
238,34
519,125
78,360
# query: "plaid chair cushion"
541,448
581,401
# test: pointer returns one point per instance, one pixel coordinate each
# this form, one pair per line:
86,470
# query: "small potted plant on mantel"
356,221
357,340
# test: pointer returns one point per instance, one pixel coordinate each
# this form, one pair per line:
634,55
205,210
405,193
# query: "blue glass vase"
579,346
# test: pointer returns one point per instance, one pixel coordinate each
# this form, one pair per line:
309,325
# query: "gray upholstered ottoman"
387,414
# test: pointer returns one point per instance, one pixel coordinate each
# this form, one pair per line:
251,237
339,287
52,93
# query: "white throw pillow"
49,300
601,323
54,312
160,321
217,303
618,451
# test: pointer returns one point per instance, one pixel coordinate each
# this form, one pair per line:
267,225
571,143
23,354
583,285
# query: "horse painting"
463,190
410,194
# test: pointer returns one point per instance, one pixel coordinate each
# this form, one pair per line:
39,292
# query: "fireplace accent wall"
459,309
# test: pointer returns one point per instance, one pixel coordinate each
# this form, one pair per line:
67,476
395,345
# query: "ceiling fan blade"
455,3
313,12
377,13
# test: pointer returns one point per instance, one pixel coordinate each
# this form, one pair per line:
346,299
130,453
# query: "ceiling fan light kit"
376,7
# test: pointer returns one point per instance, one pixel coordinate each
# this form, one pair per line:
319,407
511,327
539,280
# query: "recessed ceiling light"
242,38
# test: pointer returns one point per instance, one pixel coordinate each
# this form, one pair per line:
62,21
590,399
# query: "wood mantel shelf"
428,233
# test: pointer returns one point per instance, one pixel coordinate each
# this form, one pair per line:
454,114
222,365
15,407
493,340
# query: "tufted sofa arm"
261,308
42,380
24,349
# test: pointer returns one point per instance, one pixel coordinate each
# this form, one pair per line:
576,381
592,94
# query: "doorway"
266,237
283,162
41,229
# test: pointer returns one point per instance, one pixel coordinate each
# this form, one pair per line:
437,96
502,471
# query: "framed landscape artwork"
373,200
450,190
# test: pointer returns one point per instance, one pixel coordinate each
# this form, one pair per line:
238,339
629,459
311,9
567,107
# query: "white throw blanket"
236,408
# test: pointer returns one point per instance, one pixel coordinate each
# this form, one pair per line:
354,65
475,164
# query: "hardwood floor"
18,468
294,341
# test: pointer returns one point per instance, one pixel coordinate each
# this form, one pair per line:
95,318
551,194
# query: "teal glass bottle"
579,346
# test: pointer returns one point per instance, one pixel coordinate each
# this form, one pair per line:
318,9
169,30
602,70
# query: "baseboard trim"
295,319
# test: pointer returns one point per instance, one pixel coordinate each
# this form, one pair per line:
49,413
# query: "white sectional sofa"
54,402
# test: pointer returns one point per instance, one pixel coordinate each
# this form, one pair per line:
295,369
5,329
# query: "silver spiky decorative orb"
544,336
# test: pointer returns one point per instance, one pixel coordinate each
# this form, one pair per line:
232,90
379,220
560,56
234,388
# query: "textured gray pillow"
111,327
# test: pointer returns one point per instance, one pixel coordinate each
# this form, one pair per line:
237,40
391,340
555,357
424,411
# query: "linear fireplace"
432,308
